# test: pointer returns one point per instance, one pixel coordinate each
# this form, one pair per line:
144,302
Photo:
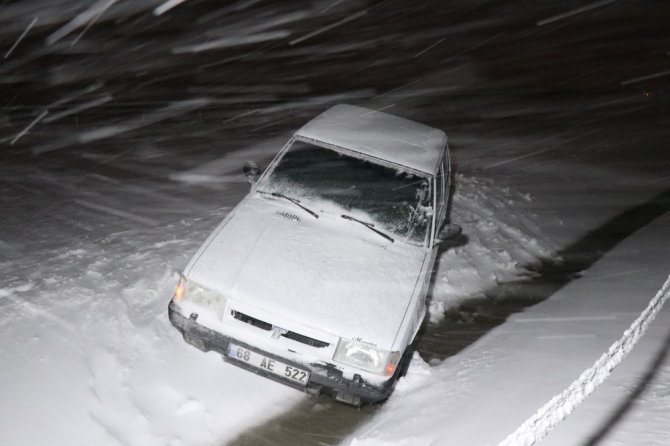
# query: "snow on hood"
328,273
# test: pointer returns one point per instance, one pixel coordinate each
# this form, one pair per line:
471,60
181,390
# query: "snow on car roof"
378,135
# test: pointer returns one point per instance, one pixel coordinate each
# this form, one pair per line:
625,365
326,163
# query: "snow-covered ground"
124,125
481,395
89,356
88,349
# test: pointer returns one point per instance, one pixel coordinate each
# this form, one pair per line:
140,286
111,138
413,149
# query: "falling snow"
124,128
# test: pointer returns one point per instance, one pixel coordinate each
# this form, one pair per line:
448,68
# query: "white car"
318,277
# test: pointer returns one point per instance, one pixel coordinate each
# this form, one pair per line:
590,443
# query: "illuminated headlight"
366,357
189,293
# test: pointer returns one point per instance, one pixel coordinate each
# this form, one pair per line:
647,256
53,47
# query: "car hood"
329,274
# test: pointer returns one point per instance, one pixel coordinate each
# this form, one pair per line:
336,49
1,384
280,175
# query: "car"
318,278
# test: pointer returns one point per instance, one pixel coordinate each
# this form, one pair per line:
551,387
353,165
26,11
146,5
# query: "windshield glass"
395,201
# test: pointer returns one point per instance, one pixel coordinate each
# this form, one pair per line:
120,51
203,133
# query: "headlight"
188,293
366,357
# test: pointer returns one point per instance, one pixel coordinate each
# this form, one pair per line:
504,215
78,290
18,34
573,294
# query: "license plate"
270,365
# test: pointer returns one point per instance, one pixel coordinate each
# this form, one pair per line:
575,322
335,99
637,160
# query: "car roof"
378,135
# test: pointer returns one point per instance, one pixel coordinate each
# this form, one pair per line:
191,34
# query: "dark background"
455,65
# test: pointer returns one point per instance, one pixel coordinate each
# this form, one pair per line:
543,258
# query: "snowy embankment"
90,357
502,246
87,348
482,395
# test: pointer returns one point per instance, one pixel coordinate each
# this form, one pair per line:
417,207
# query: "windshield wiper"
292,200
370,226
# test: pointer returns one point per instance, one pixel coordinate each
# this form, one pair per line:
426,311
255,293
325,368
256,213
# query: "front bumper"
323,378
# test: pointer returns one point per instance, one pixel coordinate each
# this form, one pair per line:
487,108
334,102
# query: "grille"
306,340
268,326
251,320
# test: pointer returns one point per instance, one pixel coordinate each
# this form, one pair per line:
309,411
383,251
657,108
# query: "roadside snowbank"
89,354
502,245
484,393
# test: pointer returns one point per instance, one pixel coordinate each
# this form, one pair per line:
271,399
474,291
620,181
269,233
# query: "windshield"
395,201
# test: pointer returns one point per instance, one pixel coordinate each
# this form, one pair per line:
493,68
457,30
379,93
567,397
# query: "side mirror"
449,231
251,171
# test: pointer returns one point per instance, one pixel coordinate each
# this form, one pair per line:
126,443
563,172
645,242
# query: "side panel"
417,310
